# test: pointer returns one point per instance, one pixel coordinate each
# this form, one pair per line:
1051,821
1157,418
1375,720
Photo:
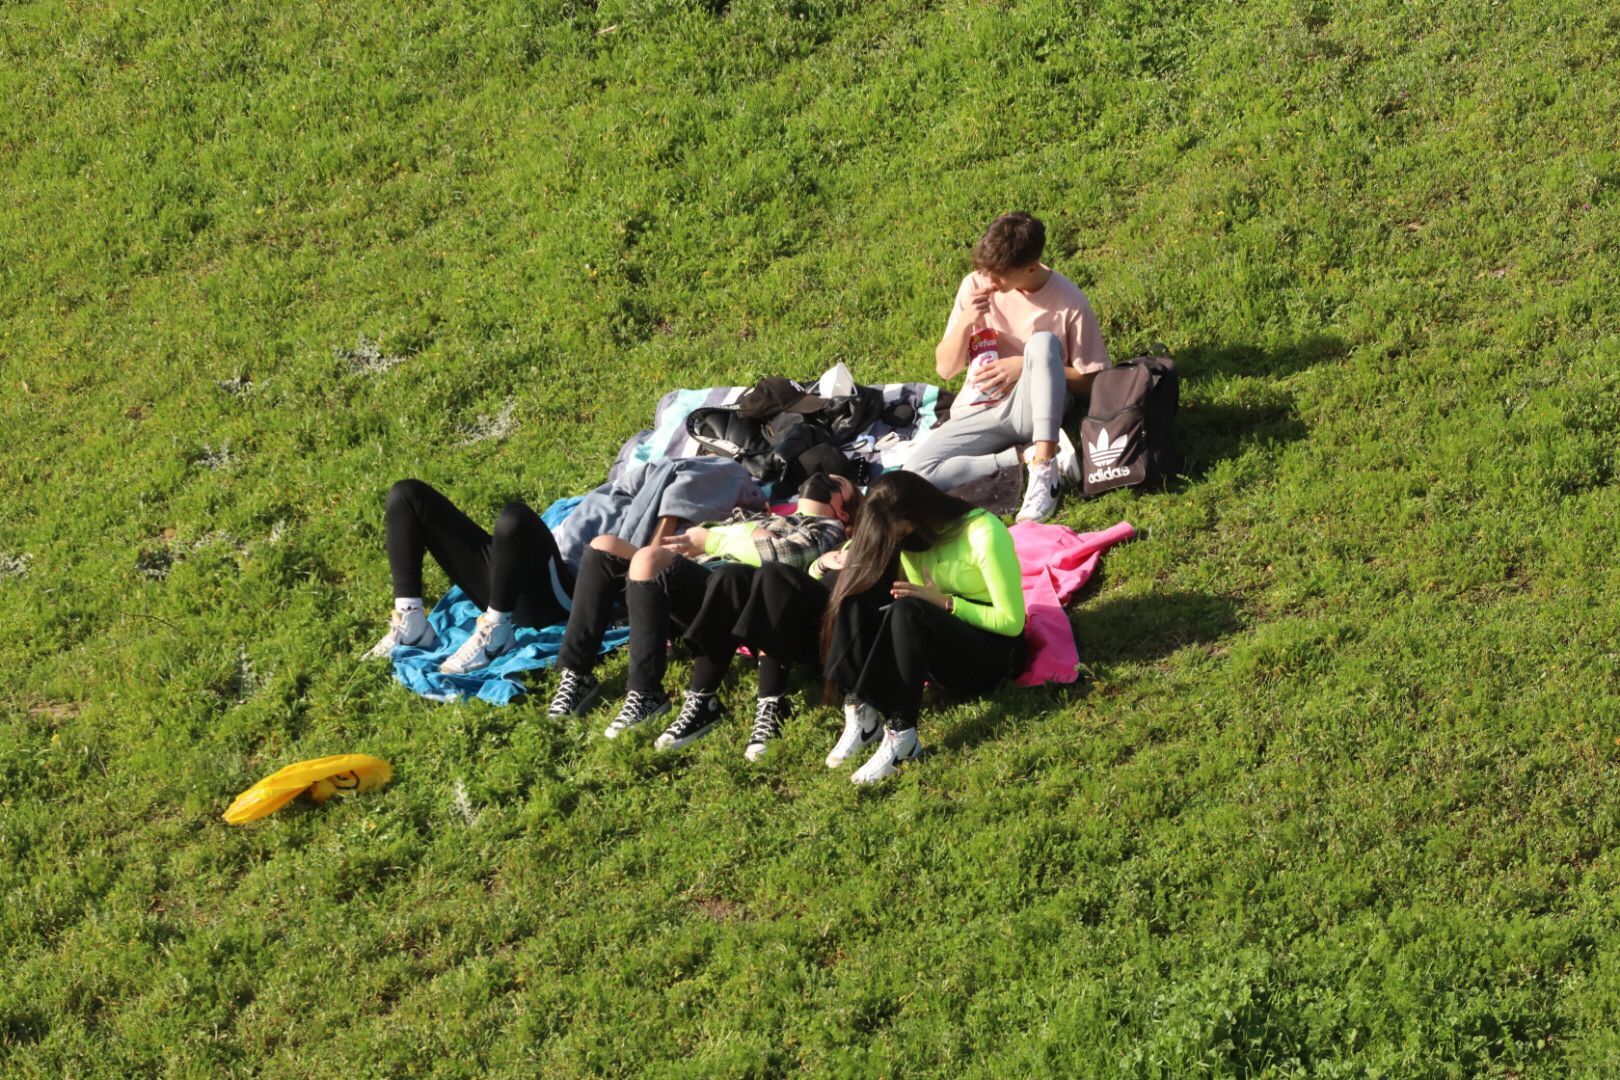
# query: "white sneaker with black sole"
406,630
489,641
1040,491
769,712
576,692
861,725
638,708
897,747
700,714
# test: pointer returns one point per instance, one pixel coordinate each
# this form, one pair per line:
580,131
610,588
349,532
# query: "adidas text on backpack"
1127,438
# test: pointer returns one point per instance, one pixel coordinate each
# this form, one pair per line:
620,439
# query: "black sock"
773,677
648,605
707,674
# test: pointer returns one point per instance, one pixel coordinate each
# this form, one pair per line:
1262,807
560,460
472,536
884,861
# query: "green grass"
1339,800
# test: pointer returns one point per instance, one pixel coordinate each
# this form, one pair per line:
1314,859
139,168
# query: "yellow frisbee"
340,774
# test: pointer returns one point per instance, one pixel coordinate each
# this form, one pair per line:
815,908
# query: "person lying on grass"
930,592
664,585
1050,348
516,575
774,610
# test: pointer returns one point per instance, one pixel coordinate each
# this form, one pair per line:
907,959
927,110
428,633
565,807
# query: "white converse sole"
666,741
619,727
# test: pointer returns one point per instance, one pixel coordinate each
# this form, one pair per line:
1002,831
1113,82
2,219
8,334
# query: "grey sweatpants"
987,438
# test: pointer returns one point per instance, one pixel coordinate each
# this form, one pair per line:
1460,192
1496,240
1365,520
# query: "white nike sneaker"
1040,492
406,629
861,725
1068,460
897,746
488,641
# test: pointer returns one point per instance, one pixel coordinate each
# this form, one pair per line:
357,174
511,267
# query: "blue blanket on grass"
453,618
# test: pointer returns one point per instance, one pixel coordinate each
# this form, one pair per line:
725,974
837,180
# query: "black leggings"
775,610
519,569
884,649
653,606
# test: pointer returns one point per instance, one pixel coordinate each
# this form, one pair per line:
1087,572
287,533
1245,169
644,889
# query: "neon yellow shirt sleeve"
990,545
980,568
734,542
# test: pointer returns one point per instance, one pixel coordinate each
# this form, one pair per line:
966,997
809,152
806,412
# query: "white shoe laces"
637,704
767,720
693,712
566,696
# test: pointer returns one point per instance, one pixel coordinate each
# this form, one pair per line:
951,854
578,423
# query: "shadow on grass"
1262,413
1238,361
1142,629
1208,434
1124,629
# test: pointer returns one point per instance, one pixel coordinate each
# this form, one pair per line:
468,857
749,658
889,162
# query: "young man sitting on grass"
1050,346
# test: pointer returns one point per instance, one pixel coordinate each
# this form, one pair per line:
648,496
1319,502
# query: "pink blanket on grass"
1056,562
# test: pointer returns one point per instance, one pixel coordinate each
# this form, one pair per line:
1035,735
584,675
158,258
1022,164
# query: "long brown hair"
900,509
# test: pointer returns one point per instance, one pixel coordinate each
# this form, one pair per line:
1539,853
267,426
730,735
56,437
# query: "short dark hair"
1012,241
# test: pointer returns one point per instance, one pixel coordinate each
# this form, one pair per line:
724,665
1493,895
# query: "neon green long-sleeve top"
980,568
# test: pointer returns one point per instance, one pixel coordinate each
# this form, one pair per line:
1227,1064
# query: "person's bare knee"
649,562
614,546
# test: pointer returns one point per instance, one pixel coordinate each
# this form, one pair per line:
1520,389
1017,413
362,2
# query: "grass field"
1338,800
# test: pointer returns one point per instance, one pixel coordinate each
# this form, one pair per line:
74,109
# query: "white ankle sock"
497,618
407,603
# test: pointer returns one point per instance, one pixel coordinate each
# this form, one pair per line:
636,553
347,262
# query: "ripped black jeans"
603,588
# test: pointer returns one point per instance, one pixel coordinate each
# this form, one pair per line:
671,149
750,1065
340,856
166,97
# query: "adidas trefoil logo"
1105,453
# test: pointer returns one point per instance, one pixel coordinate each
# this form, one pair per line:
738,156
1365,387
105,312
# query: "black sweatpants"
653,607
518,569
884,649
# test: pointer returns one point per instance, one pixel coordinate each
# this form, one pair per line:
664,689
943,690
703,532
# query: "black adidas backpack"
1127,438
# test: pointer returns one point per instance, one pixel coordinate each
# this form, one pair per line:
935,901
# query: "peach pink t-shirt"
1058,307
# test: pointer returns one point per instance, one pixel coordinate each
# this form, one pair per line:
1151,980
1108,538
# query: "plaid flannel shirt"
797,539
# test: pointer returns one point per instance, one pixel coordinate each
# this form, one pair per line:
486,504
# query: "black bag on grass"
1127,438
722,431
782,450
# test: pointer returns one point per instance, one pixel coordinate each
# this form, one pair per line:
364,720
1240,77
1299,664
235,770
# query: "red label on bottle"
983,349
